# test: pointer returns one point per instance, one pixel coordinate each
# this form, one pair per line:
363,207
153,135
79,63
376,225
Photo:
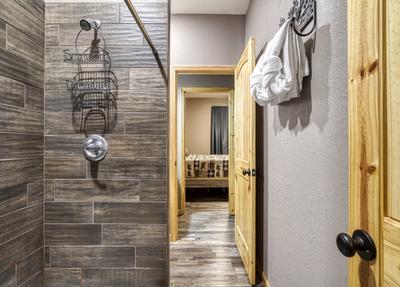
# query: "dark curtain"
219,130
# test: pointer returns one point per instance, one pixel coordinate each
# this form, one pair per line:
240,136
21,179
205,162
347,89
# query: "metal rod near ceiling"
146,35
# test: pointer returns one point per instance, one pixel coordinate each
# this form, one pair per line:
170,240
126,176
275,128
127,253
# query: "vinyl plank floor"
206,254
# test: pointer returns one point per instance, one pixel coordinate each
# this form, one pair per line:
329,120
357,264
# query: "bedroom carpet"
206,254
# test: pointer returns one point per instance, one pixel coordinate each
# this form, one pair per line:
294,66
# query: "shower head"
87,24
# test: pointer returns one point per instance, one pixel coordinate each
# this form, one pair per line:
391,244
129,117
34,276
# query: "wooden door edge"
383,136
172,167
265,280
366,130
249,255
231,165
253,166
205,70
183,143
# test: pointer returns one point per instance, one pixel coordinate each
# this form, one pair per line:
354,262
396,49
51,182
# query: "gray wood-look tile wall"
106,224
21,142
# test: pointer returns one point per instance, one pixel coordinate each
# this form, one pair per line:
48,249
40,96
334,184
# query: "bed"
207,171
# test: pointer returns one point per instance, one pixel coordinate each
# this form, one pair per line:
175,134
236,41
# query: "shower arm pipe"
139,22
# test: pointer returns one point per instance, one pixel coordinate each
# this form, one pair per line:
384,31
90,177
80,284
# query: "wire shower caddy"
94,88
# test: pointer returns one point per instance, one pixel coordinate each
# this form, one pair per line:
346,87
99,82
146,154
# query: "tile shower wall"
106,225
21,142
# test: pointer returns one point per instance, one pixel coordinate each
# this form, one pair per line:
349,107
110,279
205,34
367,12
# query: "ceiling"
231,7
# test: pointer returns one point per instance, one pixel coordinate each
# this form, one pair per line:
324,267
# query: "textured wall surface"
198,123
106,225
306,156
21,142
206,39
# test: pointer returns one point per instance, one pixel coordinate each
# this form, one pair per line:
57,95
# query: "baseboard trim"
265,280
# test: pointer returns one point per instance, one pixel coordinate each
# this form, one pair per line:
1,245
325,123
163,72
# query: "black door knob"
246,171
361,242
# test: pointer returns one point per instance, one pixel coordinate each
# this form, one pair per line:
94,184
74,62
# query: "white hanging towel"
279,73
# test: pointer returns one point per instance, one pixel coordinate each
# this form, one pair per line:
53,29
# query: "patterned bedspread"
201,166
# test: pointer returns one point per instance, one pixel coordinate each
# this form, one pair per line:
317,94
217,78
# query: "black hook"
295,14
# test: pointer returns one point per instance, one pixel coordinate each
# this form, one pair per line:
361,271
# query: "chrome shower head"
87,24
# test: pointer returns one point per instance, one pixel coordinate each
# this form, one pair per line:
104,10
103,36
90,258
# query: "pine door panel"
391,234
245,187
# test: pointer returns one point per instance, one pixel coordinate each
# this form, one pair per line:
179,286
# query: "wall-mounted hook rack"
302,14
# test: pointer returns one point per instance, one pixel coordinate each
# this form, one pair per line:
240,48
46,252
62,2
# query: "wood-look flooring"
206,253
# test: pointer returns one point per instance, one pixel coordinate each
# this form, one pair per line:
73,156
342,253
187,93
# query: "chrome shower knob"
95,148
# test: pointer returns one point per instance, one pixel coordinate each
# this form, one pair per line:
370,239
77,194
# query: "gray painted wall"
206,39
306,156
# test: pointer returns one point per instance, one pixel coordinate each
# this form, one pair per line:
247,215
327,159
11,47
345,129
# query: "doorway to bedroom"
205,205
205,122
212,171
204,199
